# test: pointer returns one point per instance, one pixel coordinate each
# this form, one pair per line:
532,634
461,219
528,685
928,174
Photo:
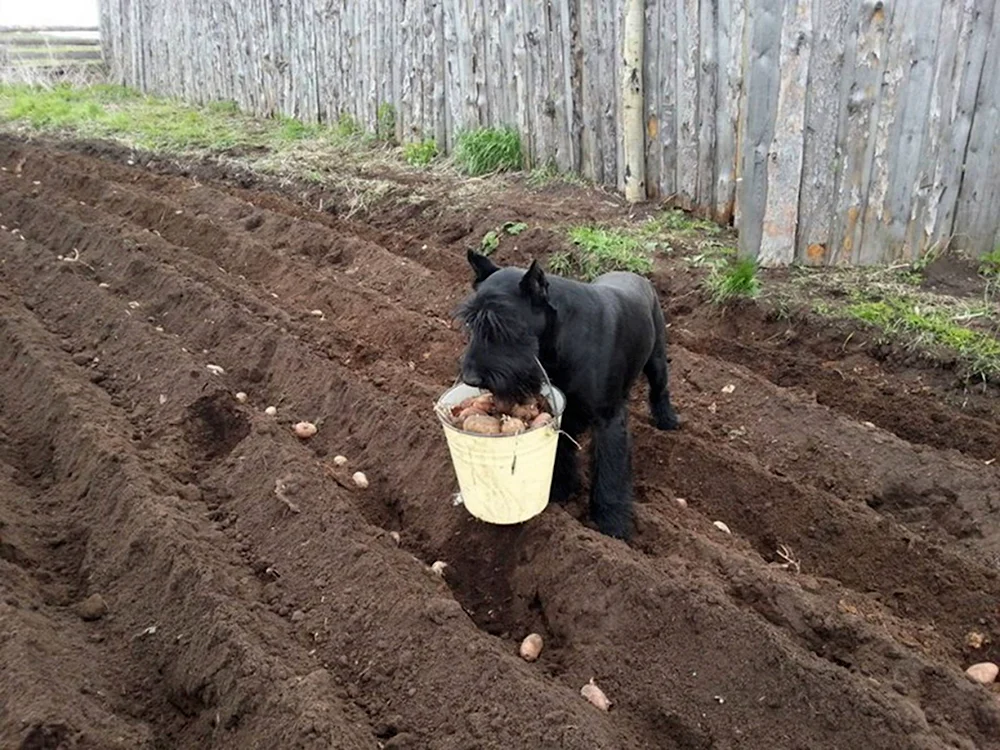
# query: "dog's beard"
511,383
516,390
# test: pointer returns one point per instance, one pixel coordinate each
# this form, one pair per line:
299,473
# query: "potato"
531,647
484,402
460,407
438,568
360,479
984,673
511,426
542,419
469,411
595,695
525,412
305,430
482,424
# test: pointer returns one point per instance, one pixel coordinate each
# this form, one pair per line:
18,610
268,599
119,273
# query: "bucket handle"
544,373
551,390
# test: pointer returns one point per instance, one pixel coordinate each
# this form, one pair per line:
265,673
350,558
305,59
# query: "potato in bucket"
503,457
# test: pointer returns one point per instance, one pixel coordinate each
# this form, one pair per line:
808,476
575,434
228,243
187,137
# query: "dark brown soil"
954,276
256,598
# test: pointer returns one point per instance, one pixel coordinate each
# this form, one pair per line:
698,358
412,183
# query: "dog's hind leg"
611,476
656,373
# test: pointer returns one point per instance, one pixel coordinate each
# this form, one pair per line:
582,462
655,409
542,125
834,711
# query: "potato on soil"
595,695
305,430
984,673
531,647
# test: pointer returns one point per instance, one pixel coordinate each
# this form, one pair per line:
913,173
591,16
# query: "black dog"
593,341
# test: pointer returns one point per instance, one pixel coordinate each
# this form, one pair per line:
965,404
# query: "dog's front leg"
566,473
611,476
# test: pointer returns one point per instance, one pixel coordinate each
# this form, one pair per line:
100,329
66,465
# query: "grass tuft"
420,153
989,264
487,150
737,279
598,251
385,124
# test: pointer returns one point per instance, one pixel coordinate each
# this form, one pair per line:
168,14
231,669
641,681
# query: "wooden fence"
829,131
50,46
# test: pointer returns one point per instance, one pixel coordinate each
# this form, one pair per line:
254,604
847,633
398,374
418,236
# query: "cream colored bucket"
504,479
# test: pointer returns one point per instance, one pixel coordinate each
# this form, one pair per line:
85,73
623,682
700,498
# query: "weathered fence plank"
784,164
828,131
686,93
826,103
979,195
865,68
729,43
757,122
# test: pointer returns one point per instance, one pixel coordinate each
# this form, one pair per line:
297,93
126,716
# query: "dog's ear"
483,266
534,284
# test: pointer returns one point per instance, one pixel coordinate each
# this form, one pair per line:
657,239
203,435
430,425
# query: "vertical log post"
632,101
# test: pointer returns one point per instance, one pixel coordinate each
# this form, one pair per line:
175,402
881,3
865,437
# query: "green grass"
676,221
330,155
151,123
598,250
634,246
737,279
989,264
979,351
491,240
385,125
487,150
50,109
420,153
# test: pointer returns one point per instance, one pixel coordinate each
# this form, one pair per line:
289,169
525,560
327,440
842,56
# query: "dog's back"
634,293
631,284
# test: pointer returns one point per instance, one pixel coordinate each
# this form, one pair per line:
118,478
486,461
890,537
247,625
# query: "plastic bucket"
503,479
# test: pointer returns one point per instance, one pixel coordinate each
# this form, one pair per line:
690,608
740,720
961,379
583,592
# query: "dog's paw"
613,525
666,419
